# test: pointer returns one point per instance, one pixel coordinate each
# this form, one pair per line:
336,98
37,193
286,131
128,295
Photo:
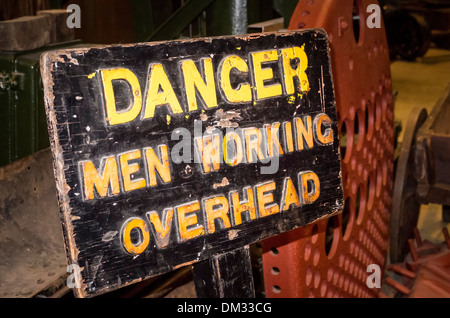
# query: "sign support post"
227,275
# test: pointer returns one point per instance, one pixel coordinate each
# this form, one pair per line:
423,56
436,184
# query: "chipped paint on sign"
131,209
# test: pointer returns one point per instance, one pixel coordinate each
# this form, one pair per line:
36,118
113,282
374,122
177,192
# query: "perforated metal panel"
330,258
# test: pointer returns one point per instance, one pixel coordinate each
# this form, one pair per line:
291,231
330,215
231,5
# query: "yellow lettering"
243,92
239,207
272,139
264,197
193,81
112,115
162,232
252,144
326,138
309,185
238,149
188,226
302,132
138,243
128,169
108,179
264,74
289,55
216,208
208,149
155,164
156,98
290,195
288,138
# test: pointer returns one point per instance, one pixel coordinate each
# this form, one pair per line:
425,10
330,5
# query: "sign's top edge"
248,36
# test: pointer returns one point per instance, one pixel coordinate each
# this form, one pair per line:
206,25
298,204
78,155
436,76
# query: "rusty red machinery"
425,271
330,258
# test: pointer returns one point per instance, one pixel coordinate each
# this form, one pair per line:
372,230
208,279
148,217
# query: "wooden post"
226,275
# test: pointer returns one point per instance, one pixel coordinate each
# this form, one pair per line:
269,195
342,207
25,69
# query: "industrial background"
393,100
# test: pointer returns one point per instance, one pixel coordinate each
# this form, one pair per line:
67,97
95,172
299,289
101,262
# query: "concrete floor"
421,83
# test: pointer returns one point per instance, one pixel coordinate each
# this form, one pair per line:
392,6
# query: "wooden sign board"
170,153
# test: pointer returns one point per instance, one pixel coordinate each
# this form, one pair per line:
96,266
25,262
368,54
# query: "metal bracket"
11,81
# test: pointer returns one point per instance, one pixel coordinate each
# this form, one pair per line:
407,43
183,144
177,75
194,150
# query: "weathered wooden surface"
59,32
130,210
25,33
31,32
227,275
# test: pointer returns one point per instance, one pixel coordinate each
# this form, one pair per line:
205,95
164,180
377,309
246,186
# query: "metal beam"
179,20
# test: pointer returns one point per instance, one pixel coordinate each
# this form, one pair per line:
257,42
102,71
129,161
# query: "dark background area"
127,21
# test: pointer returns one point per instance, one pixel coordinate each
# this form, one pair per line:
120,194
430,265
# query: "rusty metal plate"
32,255
170,153
330,258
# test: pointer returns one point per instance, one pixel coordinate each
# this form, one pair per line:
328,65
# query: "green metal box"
23,125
